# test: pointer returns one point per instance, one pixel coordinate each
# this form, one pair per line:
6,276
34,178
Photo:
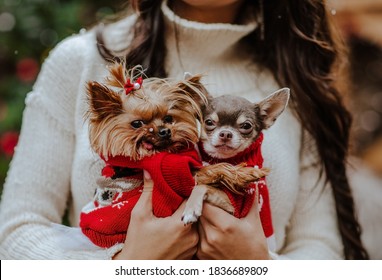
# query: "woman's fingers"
220,232
215,216
203,245
253,214
150,237
144,205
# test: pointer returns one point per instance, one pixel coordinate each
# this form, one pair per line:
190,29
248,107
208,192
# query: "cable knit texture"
54,168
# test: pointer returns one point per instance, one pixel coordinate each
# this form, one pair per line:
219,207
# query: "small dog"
232,132
149,124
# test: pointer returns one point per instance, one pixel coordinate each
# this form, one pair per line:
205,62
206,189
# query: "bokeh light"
7,22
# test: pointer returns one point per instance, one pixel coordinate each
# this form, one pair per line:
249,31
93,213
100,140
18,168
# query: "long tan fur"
234,177
111,113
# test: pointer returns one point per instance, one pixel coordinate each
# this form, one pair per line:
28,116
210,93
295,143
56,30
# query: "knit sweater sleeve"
313,231
37,187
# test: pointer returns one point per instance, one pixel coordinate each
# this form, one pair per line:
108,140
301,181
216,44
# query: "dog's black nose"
164,132
225,135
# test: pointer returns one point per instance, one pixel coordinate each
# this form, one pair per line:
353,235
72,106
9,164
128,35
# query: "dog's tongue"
148,146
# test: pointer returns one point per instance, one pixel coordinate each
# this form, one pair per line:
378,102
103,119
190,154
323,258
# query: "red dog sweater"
243,203
106,219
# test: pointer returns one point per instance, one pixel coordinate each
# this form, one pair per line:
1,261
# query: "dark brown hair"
299,47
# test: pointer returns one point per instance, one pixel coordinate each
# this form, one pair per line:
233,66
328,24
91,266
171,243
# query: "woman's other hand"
223,236
150,237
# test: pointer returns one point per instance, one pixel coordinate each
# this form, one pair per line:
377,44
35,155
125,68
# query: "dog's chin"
221,151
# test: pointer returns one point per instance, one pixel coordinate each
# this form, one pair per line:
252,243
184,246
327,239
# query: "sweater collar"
186,38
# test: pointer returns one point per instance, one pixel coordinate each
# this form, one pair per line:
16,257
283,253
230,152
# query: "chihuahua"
232,132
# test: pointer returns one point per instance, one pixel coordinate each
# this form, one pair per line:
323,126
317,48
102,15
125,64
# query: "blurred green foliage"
29,29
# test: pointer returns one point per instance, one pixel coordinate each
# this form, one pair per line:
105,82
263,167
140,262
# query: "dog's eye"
168,119
246,128
137,124
209,122
210,125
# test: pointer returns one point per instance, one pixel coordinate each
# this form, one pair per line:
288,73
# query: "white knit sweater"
54,168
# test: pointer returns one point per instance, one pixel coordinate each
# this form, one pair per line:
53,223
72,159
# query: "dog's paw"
190,216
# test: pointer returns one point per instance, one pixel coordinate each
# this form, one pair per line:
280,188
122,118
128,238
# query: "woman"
245,48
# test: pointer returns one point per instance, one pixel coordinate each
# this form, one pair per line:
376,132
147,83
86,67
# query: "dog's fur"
231,125
131,125
160,116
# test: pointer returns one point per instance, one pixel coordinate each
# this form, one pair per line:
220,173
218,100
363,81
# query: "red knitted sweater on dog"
243,203
106,225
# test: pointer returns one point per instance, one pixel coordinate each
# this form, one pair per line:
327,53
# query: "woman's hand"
149,237
224,237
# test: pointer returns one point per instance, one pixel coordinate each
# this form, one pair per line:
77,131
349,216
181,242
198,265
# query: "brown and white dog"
232,133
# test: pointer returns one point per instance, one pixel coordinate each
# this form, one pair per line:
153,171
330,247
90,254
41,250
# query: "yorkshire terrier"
232,133
149,124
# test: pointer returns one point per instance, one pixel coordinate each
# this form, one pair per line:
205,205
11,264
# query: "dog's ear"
192,86
103,102
187,76
272,106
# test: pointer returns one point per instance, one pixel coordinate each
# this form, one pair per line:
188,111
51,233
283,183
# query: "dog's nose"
164,132
225,135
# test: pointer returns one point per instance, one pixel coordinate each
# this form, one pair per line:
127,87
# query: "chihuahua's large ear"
272,106
194,88
103,102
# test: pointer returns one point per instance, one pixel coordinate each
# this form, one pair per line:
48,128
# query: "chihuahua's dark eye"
168,119
137,124
210,125
246,128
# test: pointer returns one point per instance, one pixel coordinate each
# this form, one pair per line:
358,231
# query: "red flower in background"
27,69
8,142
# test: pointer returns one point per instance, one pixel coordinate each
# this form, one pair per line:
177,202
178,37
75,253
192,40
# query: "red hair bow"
131,86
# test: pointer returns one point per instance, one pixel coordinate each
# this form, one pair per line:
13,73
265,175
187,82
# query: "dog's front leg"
194,204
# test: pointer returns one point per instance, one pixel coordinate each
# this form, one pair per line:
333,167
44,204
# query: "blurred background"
360,22
29,29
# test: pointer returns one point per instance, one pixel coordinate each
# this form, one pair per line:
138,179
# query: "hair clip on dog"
129,86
